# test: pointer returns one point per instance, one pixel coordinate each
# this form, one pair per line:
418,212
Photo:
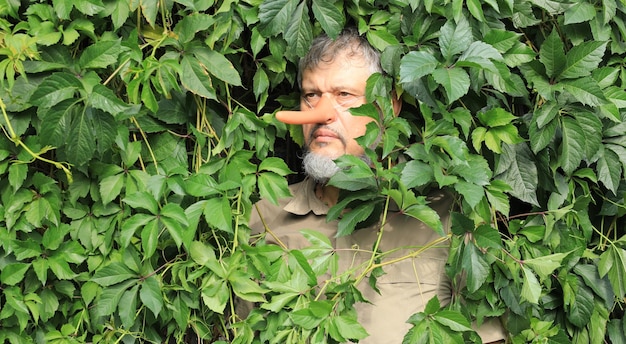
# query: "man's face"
326,86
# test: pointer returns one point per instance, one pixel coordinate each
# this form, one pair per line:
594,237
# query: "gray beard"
319,167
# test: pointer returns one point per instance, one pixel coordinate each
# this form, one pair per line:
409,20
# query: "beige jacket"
407,285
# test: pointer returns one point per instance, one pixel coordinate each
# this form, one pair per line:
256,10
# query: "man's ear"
397,103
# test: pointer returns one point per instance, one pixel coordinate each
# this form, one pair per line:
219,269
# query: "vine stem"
37,156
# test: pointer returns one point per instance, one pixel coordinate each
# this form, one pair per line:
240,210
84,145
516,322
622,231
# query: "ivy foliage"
137,136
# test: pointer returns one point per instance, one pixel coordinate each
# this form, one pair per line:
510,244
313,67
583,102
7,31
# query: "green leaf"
299,33
613,263
455,81
151,296
127,309
17,175
103,98
579,13
416,173
109,300
531,289
149,10
60,267
476,265
552,55
344,327
276,165
81,138
475,8
111,187
545,265
454,38
54,89
592,129
348,222
471,193
601,286
415,65
572,146
112,274
584,90
217,213
609,172
329,16
13,273
583,59
487,236
453,320
218,65
581,309
101,54
89,7
190,24
142,200
273,187
150,237
274,16
195,78
517,168
130,226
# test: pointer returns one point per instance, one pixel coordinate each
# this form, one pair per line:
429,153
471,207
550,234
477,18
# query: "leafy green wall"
138,134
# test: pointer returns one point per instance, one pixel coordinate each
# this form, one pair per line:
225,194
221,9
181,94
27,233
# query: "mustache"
318,126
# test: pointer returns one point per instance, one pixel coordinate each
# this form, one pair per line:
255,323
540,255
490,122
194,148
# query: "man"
333,77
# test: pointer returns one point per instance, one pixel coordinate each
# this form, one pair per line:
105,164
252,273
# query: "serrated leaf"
453,320
552,55
415,65
89,7
100,55
299,32
142,200
545,265
581,309
584,90
109,300
273,187
348,222
609,170
454,38
343,327
487,237
217,213
583,59
112,274
330,18
111,187
476,265
150,237
151,296
579,12
416,173
195,78
572,145
81,139
274,16
218,65
103,98
13,273
592,129
516,167
455,81
472,193
531,289
54,89
127,309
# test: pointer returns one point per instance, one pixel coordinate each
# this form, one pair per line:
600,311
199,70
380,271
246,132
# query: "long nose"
323,112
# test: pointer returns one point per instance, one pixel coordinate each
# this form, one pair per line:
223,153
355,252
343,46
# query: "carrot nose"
323,112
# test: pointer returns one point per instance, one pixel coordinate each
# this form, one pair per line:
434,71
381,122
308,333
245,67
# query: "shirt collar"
305,201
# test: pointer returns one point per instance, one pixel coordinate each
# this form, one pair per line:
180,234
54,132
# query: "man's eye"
344,95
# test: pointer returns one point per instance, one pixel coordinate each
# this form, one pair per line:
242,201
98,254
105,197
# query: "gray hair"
325,49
